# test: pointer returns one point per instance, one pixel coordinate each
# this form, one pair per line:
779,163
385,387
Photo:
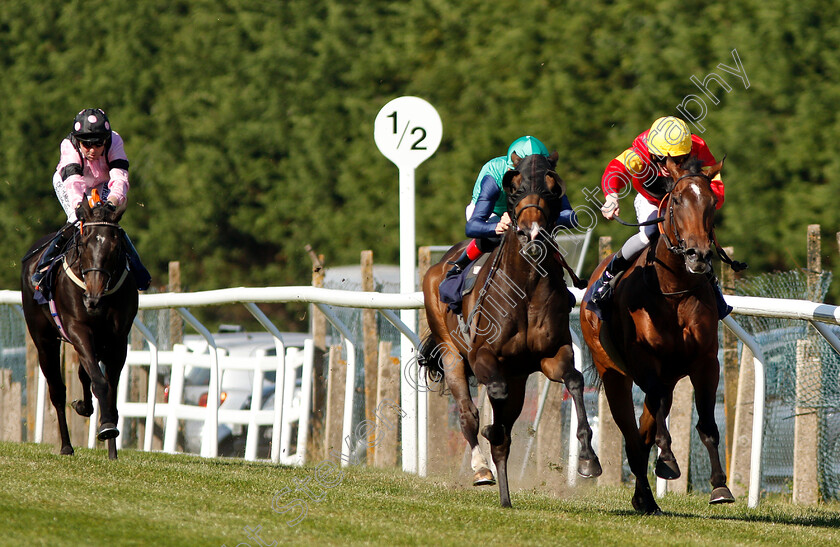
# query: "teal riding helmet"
525,146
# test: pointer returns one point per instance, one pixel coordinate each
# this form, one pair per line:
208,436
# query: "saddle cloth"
453,289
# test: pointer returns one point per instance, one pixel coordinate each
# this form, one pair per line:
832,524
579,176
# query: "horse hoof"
648,507
81,409
107,431
66,451
667,469
721,494
589,468
484,477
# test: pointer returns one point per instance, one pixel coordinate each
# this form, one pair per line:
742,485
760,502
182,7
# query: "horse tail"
429,358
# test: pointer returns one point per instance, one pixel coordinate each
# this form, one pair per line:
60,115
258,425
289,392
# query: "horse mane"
693,165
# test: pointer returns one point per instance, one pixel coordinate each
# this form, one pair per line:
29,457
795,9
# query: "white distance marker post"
408,131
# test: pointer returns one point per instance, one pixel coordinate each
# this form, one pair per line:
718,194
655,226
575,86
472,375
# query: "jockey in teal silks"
487,217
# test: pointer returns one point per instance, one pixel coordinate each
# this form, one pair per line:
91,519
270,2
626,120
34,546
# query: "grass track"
161,499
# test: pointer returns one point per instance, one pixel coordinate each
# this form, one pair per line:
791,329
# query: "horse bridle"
85,271
543,193
680,248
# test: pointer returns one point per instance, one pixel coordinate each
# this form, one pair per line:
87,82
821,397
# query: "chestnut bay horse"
95,300
518,323
663,326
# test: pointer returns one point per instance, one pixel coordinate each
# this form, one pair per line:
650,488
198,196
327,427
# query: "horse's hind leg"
468,414
84,407
49,354
619,389
705,389
507,399
654,429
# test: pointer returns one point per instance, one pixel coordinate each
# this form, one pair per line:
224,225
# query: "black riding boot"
602,288
723,308
141,274
458,264
53,249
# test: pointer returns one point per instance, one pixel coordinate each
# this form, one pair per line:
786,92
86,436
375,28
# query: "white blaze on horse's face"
535,230
698,252
100,238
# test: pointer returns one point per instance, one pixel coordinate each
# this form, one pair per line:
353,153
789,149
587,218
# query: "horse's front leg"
82,340
114,363
506,398
619,390
85,406
705,379
561,367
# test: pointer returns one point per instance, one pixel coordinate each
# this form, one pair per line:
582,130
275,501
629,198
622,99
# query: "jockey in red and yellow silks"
643,166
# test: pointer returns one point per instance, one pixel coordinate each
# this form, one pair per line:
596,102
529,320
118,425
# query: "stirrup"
602,289
37,278
456,269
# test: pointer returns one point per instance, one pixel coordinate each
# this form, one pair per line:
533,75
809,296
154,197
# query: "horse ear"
552,159
508,184
559,183
84,208
715,169
118,213
515,159
672,167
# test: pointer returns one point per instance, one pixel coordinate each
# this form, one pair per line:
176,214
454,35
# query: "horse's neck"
670,268
528,272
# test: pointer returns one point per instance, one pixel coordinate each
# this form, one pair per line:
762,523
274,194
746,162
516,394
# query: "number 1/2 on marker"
413,131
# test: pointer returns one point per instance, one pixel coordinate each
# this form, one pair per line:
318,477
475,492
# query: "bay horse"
518,323
95,299
663,326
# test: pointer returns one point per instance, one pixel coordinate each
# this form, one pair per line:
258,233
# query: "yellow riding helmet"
669,136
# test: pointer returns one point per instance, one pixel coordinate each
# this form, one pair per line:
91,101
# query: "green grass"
160,499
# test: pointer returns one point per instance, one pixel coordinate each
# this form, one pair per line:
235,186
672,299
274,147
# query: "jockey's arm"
616,178
567,217
480,224
117,171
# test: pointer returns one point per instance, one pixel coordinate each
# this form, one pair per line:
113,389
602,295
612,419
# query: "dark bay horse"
663,325
95,298
516,324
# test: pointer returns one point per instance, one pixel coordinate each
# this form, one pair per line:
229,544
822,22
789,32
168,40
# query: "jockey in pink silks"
92,158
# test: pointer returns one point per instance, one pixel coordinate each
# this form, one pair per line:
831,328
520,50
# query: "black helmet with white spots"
91,126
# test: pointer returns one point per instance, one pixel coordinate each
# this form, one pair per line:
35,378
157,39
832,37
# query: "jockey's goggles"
92,143
662,159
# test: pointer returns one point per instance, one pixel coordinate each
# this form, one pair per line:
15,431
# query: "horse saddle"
454,288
